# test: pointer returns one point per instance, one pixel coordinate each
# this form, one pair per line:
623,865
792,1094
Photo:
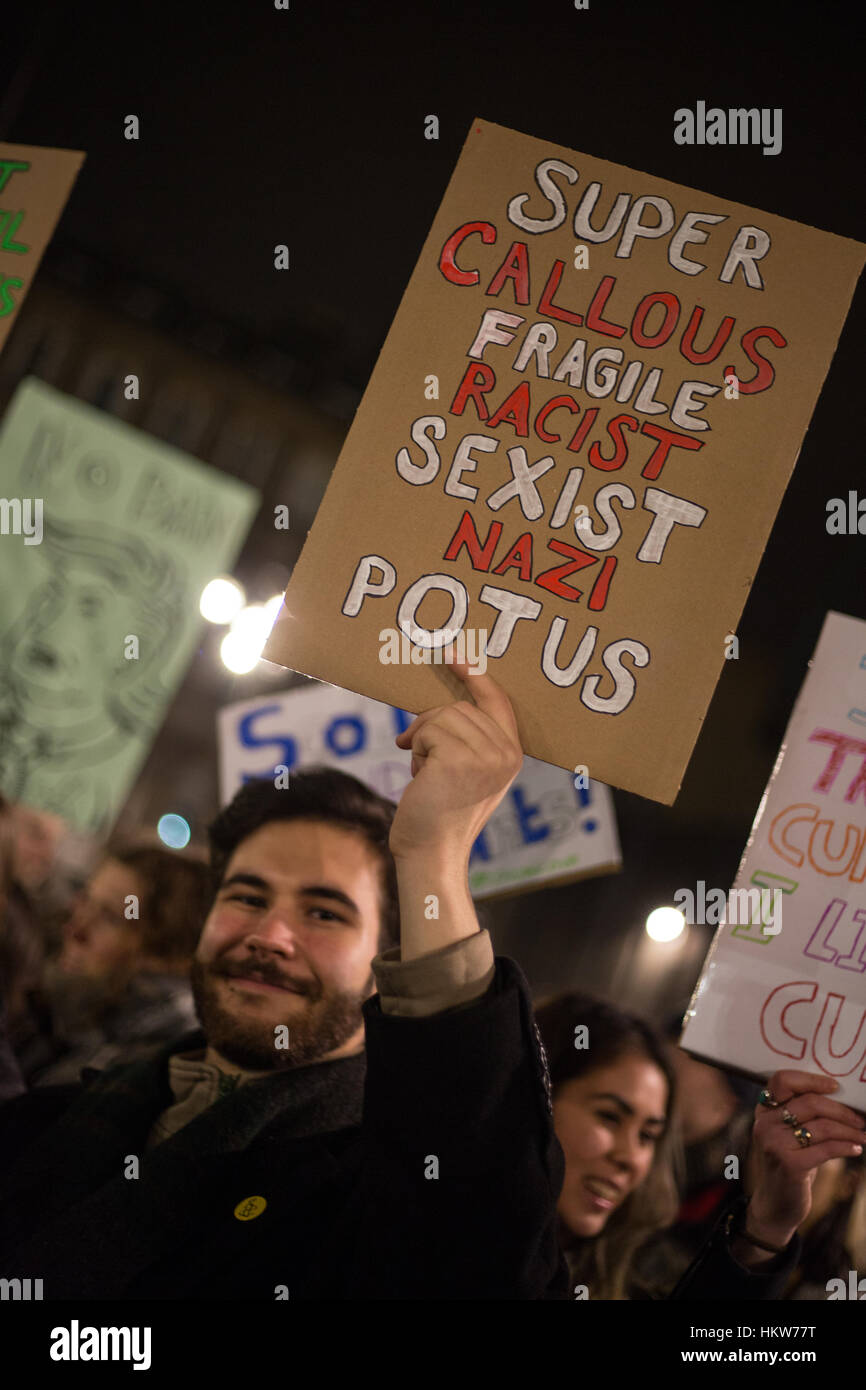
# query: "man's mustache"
264,970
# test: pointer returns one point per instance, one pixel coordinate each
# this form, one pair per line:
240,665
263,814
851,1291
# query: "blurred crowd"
95,946
95,953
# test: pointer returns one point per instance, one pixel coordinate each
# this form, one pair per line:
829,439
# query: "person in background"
30,840
613,1102
120,986
614,1097
715,1120
834,1232
11,1080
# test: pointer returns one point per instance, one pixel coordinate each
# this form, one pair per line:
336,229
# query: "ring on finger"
803,1136
790,1119
766,1098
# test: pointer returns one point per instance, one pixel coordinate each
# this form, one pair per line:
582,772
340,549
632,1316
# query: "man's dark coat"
425,1168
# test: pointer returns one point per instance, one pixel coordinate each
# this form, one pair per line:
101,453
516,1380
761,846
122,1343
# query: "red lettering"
594,319
668,439
687,342
555,402
447,263
766,373
546,305
842,745
598,597
641,313
576,440
478,379
466,534
550,579
614,428
515,267
514,410
520,557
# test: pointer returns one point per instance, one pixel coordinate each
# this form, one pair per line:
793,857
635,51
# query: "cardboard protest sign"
784,984
100,583
34,186
575,439
546,830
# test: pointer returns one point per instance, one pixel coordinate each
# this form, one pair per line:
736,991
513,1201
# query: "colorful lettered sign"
784,985
575,439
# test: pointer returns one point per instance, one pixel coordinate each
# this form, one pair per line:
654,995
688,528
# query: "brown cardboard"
31,201
677,610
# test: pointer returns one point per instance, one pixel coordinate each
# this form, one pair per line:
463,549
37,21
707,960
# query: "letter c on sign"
785,819
773,1028
447,264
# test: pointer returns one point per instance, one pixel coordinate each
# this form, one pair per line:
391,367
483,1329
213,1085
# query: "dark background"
261,126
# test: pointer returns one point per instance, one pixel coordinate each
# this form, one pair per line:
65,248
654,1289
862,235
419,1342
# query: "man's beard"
328,1021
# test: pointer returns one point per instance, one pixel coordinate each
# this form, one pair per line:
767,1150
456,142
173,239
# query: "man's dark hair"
314,793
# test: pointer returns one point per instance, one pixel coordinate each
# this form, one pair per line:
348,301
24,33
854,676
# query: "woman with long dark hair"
613,1102
613,1088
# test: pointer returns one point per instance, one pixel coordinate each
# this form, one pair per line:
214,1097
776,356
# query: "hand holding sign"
786,1167
464,758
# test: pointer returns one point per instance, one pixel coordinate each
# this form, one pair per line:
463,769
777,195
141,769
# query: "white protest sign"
546,829
784,985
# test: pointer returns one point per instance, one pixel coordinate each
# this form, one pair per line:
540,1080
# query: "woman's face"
608,1122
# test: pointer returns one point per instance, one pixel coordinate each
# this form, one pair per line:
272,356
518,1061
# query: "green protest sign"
107,538
34,185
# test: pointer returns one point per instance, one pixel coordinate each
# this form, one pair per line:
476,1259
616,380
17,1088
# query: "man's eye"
332,916
251,898
608,1115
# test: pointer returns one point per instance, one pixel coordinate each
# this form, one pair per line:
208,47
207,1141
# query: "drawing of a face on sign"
84,663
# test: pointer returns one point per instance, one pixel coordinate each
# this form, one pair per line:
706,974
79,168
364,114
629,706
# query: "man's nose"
277,930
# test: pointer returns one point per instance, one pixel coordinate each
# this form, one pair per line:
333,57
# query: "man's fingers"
405,739
488,696
482,691
485,744
470,722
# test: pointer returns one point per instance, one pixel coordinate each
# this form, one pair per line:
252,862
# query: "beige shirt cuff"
445,979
